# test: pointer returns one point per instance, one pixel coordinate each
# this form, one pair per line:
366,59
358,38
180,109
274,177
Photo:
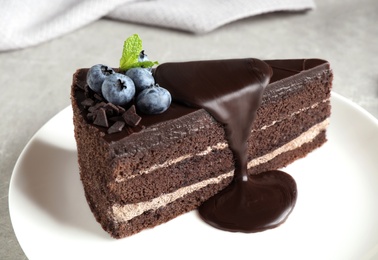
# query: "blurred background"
35,80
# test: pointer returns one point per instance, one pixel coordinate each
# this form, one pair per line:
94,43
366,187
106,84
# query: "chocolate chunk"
91,109
121,109
80,84
98,97
131,117
87,102
111,109
101,119
91,116
87,91
97,106
116,127
112,106
109,112
102,104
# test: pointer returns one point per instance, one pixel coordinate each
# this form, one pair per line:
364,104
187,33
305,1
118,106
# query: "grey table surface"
35,82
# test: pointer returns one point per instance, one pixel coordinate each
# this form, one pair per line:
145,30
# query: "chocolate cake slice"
139,171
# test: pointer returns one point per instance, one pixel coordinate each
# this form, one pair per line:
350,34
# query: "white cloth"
30,22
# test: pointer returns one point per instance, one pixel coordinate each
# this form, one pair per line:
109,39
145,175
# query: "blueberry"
142,78
153,100
118,89
142,56
96,76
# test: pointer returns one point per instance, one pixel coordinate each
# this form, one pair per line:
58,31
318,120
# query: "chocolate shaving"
98,97
91,116
112,106
121,109
109,112
87,102
101,119
87,90
103,113
97,106
80,84
116,127
111,109
91,109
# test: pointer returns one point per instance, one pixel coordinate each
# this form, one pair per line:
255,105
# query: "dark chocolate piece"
113,108
96,106
91,116
121,109
101,119
98,97
116,127
131,117
87,102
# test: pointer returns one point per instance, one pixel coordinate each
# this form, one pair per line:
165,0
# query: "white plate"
336,215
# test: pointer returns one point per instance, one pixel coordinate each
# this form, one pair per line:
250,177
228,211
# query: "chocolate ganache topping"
231,91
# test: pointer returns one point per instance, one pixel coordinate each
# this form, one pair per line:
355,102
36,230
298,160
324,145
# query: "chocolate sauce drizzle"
231,91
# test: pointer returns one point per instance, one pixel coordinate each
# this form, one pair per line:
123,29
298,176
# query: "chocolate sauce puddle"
231,91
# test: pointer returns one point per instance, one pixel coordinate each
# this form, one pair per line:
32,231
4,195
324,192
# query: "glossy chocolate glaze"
231,91
262,202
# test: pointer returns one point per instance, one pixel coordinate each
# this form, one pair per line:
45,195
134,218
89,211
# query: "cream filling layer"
122,213
218,146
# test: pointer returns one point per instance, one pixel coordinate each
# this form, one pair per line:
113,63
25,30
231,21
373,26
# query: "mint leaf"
130,54
131,49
